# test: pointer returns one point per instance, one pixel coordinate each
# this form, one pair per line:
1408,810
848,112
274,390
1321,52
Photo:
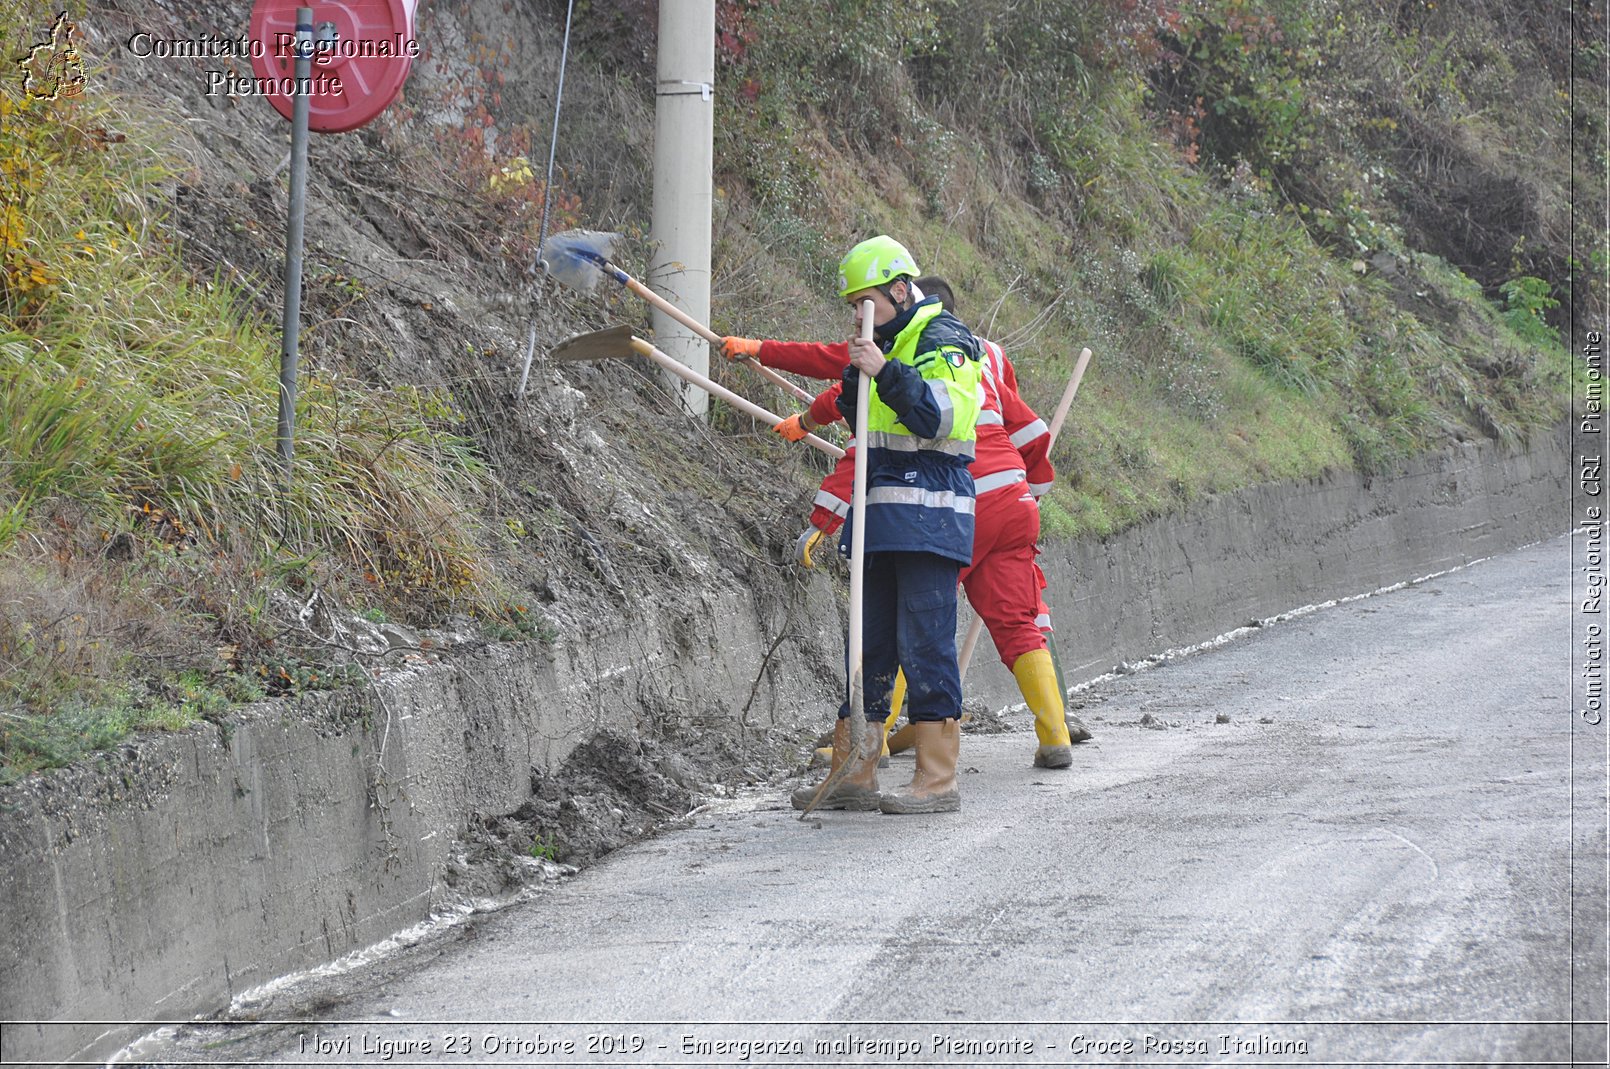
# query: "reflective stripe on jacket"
998,464
1023,436
920,431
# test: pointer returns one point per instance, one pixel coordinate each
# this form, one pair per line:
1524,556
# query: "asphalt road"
1344,840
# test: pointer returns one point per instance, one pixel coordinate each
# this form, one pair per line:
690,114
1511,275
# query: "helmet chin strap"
888,291
900,307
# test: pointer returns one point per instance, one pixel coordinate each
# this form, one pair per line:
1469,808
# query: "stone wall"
159,882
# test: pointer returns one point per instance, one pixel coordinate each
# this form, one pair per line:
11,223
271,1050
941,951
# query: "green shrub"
1525,300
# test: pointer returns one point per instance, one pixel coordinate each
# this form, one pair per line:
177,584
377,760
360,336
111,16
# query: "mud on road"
1367,829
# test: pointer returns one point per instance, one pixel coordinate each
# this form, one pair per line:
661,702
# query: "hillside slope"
1298,237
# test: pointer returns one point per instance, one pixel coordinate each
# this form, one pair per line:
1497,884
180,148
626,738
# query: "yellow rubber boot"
933,786
1037,679
904,739
858,790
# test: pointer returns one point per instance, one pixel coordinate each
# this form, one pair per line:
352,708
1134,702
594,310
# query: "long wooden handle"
965,657
863,397
852,647
1067,396
976,628
710,386
707,334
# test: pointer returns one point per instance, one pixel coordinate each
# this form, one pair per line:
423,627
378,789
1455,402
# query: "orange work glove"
740,348
793,428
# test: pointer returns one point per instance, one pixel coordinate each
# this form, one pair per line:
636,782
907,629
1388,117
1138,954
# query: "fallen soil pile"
611,791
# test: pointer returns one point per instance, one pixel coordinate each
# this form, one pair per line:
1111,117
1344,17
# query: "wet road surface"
1348,839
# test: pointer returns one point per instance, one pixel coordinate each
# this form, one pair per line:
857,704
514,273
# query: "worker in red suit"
1011,469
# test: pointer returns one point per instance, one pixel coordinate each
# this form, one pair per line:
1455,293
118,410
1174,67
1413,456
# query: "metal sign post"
292,323
362,55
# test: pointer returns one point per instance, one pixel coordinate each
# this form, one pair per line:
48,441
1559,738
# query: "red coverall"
1011,467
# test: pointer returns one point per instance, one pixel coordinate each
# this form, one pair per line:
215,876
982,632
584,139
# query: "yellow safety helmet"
875,262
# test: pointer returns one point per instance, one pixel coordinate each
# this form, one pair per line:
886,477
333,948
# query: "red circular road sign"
363,50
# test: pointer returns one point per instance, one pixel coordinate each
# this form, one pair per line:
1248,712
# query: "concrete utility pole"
684,127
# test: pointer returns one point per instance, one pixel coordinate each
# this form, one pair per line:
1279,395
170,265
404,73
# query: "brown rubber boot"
822,756
904,739
933,786
858,790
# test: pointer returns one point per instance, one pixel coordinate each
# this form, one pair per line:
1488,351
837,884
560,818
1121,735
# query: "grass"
1246,327
545,848
137,473
1235,343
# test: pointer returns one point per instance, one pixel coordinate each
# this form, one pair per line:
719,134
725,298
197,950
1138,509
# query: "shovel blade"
612,344
575,258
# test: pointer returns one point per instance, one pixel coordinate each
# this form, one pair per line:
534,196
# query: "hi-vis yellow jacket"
920,432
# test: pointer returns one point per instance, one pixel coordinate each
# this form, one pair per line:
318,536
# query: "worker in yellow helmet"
1011,469
926,394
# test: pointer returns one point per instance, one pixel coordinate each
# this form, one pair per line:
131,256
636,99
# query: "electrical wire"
547,192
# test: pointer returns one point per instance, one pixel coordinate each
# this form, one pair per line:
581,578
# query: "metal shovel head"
574,257
612,344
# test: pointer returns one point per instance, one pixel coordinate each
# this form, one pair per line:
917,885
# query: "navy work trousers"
910,620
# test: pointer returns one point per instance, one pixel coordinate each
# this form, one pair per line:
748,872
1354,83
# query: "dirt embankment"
611,513
652,552
612,790
607,503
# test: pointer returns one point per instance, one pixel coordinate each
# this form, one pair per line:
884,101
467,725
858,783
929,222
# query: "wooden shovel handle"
863,400
710,336
853,659
1067,396
715,389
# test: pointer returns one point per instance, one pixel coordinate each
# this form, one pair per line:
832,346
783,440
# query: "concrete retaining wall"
1231,559
166,878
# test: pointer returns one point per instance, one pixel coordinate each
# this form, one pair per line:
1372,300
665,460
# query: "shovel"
580,259
858,724
619,343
